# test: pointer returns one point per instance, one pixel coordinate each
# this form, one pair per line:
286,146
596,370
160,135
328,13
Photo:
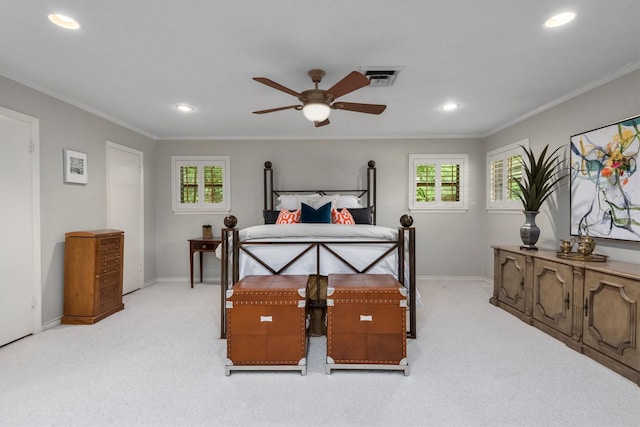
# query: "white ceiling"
133,60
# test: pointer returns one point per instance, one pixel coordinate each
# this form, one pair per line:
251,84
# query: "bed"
356,245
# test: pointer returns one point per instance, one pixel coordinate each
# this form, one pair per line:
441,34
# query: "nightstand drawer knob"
204,246
366,318
266,318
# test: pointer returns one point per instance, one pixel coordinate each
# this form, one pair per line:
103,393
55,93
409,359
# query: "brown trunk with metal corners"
267,323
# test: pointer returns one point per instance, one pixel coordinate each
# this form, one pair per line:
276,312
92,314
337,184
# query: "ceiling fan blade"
360,108
322,123
353,81
278,86
271,110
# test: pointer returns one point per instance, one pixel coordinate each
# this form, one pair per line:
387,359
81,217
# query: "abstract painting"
605,183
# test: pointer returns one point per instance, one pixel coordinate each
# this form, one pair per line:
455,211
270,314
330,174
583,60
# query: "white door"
20,307
125,202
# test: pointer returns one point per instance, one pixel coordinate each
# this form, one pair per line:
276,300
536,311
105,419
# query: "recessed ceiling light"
559,19
450,106
184,108
64,21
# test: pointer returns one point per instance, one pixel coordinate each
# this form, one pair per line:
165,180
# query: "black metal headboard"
270,193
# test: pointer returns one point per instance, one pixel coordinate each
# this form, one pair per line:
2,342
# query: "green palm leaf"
541,177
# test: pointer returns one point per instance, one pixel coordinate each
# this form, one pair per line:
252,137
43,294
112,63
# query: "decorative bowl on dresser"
92,275
590,306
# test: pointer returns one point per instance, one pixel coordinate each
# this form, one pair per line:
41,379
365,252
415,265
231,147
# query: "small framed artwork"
75,167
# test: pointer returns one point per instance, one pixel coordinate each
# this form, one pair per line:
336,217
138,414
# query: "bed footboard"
231,247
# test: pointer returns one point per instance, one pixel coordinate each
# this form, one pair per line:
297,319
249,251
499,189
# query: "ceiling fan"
318,103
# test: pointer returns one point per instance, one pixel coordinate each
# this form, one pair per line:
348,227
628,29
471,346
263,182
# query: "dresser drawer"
109,265
108,255
110,248
109,279
109,297
110,241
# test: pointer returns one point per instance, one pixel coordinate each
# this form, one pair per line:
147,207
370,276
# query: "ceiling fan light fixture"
316,111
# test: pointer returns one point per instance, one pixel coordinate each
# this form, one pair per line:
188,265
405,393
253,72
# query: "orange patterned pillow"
288,217
342,217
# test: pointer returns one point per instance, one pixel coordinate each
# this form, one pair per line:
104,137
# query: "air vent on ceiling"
380,76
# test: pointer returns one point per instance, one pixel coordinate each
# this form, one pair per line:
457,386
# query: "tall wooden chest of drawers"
92,275
366,323
267,324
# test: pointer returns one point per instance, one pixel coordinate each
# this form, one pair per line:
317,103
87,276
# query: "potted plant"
540,179
207,231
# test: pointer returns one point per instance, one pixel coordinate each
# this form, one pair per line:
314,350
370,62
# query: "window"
437,181
504,170
200,183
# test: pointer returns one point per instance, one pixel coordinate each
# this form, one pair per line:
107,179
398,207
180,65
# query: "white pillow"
348,202
292,201
288,202
323,200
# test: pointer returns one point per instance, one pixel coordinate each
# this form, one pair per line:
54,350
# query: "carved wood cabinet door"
612,320
512,270
553,294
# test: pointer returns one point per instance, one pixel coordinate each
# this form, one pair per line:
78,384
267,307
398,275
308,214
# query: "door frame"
36,244
115,146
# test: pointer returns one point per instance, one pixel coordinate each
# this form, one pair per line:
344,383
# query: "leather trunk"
267,321
366,320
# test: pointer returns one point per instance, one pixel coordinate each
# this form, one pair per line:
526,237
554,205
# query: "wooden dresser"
92,275
590,306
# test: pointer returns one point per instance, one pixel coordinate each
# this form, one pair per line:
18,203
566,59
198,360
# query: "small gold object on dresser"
92,275
567,245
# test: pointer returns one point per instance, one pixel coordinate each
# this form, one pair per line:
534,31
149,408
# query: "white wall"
608,103
447,244
68,207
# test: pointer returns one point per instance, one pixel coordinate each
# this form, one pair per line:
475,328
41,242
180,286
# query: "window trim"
439,206
503,153
201,207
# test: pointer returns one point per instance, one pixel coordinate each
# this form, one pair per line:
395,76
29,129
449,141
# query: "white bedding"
359,255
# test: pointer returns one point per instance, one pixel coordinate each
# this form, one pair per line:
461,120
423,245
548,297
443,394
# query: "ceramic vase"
529,231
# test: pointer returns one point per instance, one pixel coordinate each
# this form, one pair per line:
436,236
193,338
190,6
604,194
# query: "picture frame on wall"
75,167
605,181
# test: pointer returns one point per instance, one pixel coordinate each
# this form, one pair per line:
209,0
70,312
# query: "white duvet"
378,239
318,232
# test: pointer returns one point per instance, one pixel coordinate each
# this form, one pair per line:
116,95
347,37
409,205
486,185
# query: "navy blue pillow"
322,215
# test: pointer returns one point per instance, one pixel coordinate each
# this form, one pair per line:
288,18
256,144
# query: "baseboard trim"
52,323
207,280
456,278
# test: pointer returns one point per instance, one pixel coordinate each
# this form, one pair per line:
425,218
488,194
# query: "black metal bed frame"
404,245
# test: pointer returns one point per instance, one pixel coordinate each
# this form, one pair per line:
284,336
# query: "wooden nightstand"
199,244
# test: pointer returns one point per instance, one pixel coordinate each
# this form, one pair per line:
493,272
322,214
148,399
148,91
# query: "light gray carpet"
160,363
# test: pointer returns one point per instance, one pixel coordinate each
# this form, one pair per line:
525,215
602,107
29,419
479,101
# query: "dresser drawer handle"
204,246
266,318
366,318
